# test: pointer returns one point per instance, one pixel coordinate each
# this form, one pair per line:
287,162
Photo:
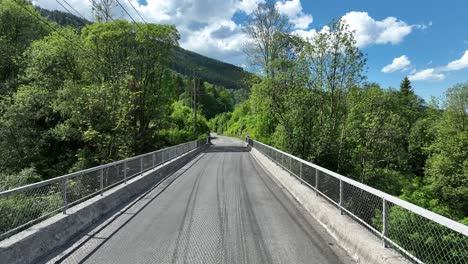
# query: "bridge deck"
223,209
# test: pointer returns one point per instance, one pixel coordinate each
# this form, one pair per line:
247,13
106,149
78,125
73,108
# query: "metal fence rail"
419,234
26,205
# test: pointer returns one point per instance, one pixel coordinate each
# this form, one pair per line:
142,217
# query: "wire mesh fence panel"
308,174
329,186
26,205
426,240
364,205
147,161
113,174
133,167
21,209
158,157
296,167
83,186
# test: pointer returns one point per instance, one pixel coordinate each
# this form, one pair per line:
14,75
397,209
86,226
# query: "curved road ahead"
220,208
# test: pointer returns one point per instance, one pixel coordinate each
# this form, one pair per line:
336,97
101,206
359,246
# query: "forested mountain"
62,18
183,61
213,71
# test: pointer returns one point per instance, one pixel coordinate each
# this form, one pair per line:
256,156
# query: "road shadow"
214,148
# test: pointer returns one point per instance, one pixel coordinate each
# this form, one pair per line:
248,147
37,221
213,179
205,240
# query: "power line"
69,11
130,2
40,19
79,14
125,10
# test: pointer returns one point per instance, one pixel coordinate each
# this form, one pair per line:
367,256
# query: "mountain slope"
211,70
185,62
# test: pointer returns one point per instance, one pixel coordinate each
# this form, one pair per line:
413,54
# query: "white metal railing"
26,205
419,234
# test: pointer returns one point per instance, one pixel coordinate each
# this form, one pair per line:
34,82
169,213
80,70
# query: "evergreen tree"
405,87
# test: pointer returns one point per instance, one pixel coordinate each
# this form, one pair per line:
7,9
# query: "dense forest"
76,94
314,101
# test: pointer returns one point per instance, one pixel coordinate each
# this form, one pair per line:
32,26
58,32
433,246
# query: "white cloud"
289,8
435,74
305,34
293,10
248,6
302,21
205,26
398,64
370,31
429,74
459,64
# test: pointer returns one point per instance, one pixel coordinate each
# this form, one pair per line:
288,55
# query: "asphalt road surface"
220,208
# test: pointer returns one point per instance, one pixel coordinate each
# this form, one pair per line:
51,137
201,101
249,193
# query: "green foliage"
18,28
92,96
219,123
447,166
182,129
375,138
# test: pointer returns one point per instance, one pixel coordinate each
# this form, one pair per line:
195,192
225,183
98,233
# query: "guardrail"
419,234
26,205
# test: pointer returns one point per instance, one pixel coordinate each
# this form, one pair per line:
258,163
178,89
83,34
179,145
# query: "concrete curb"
361,244
32,244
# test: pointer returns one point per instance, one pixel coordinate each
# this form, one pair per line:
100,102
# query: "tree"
405,87
268,31
18,28
447,166
142,52
103,9
28,115
375,142
335,65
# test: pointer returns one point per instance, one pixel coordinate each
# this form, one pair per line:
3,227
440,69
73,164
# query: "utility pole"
194,105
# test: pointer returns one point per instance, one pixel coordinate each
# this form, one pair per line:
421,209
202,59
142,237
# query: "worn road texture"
220,208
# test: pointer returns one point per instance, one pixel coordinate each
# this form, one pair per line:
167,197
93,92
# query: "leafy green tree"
447,166
375,141
268,31
18,28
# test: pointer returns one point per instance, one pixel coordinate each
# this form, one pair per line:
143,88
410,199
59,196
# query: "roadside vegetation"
313,101
76,94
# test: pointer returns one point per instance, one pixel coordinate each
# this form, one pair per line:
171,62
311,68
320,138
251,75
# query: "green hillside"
183,61
213,71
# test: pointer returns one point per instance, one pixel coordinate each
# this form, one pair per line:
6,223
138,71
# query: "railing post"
65,201
384,222
101,181
300,171
125,171
341,197
290,165
141,165
153,157
316,181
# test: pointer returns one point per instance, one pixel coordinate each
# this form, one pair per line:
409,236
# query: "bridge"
225,202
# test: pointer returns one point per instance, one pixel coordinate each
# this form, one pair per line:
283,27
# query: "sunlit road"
222,208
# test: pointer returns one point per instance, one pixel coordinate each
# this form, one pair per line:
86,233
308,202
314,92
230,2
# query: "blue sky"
444,41
426,40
